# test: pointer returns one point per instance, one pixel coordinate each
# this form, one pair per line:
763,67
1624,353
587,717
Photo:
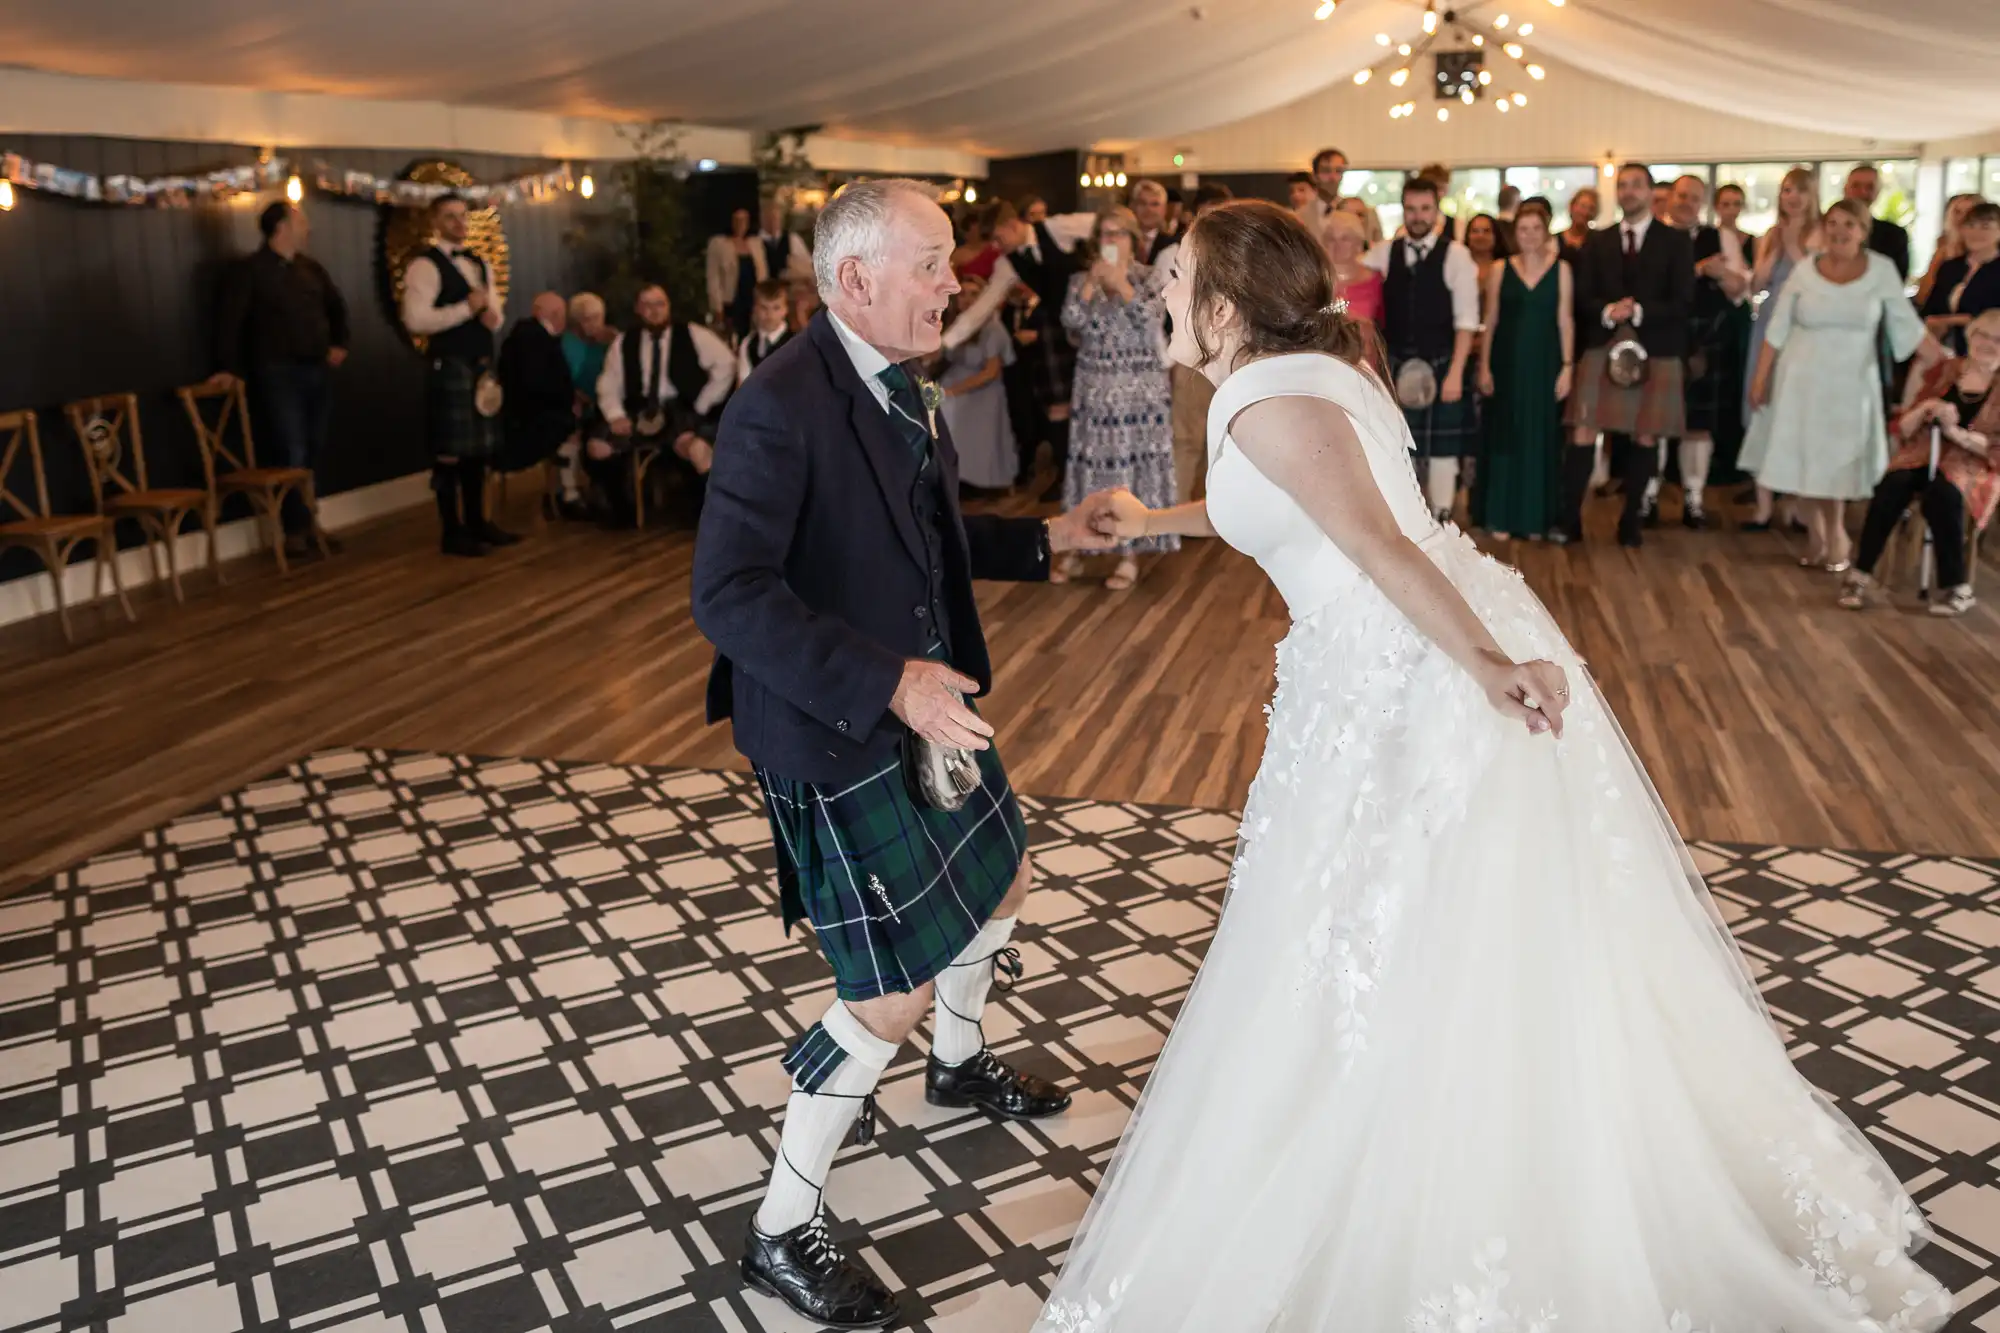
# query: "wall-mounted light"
1121,180
1084,179
972,194
706,164
587,186
6,196
295,189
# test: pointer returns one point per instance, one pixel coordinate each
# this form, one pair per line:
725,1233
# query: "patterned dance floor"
443,1044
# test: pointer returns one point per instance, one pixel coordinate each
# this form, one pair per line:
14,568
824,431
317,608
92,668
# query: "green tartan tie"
906,407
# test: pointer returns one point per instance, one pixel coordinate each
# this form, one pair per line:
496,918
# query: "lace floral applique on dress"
1476,1306
1086,1316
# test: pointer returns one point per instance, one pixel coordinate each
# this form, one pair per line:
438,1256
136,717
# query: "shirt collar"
868,362
1638,229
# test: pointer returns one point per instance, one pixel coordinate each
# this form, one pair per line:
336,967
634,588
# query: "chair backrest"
233,406
107,429
17,430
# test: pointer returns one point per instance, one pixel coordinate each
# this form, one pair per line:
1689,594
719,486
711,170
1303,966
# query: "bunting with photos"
223,183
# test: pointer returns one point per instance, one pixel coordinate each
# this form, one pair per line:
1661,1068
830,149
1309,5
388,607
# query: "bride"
1472,1049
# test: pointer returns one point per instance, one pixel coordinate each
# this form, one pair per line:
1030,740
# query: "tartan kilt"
895,891
1051,366
1654,409
1715,397
1444,430
454,428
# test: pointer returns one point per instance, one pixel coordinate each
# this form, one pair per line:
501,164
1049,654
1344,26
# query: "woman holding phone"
1121,401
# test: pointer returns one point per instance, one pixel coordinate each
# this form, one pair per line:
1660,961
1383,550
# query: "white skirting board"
34,595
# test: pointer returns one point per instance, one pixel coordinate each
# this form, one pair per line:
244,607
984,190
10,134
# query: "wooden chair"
265,487
54,537
107,428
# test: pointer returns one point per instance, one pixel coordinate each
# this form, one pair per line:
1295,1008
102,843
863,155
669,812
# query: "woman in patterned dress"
1121,399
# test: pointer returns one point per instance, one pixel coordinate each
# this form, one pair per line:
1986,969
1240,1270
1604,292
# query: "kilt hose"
454,428
1655,408
894,891
1444,430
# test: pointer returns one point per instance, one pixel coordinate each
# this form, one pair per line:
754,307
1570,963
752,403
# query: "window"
1383,190
1991,186
1897,199
1555,184
1760,182
1473,191
1961,176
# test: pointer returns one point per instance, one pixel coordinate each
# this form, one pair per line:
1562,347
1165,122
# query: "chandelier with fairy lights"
1456,41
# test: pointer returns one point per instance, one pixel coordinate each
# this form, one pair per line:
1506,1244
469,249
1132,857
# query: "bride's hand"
1535,692
1126,517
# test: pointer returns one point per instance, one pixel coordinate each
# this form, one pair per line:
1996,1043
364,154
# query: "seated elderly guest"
663,382
1957,397
538,409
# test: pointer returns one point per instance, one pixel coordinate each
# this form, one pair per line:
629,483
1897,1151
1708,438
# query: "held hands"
1536,692
1619,311
1092,525
928,701
1125,517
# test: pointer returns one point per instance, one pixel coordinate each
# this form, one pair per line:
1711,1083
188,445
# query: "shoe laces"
816,1244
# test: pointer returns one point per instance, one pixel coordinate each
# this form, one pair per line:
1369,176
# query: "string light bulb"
1485,78
1465,96
1520,99
1525,30
1513,49
1400,77
1430,20
1403,50
6,196
1501,20
1537,73
1478,39
1381,39
587,187
295,189
1325,9
1362,76
972,194
1444,113
1504,105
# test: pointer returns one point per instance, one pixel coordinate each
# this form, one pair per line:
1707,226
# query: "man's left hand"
1453,388
335,355
1085,527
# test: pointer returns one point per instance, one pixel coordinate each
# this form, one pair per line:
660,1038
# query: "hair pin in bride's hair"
1337,306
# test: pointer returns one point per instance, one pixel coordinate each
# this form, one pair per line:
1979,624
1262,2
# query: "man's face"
1303,193
1728,207
1663,202
899,307
1863,185
452,221
1420,214
1689,195
768,314
1150,207
1012,234
1038,211
653,308
1328,173
1635,193
551,311
773,218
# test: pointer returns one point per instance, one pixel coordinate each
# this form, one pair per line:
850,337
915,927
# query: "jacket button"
919,612
840,725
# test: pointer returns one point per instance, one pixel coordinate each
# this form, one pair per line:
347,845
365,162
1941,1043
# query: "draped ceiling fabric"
1021,77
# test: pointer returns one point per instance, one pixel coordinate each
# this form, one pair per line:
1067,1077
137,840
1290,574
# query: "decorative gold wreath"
406,233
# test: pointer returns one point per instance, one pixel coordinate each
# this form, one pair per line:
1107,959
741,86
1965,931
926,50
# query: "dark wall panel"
103,300
1052,176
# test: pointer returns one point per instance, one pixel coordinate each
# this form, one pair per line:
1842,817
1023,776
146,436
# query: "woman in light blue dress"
1822,432
1793,239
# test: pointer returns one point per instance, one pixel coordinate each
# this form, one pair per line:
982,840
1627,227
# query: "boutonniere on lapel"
933,398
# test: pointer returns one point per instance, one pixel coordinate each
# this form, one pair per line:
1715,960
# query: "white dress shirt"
421,281
715,357
1067,230
1461,274
868,363
1735,260
763,343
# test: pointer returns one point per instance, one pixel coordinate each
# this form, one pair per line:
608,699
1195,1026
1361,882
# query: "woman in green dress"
1524,371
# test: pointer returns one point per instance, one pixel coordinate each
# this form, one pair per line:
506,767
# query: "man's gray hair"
855,225
1140,187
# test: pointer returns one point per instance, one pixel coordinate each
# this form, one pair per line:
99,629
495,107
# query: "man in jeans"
282,329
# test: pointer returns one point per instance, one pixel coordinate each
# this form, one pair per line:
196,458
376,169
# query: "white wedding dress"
1471,1049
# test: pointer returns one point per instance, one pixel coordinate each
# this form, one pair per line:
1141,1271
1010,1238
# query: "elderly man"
833,572
1149,207
538,413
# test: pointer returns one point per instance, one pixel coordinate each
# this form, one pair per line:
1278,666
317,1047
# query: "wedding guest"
1968,285
1663,201
787,257
448,300
281,330
1634,280
1329,168
1822,436
1714,387
663,382
1303,196
1525,368
538,409
1731,270
1354,282
1864,184
975,401
1956,397
1949,246
1506,205
1121,403
1488,246
1149,207
1791,242
584,343
1430,293
769,329
736,265
1364,212
1583,209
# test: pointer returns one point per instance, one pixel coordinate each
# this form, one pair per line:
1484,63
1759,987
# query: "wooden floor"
1763,712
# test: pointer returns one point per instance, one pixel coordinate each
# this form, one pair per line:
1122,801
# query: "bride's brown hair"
1263,261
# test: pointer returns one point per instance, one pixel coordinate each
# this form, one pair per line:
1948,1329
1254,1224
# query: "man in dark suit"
1634,281
538,411
833,572
1864,183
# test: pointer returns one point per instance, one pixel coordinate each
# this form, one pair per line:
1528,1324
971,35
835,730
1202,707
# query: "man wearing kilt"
833,572
1430,297
448,299
1633,281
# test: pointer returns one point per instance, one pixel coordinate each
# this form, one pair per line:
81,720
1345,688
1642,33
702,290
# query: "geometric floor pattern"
444,1044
